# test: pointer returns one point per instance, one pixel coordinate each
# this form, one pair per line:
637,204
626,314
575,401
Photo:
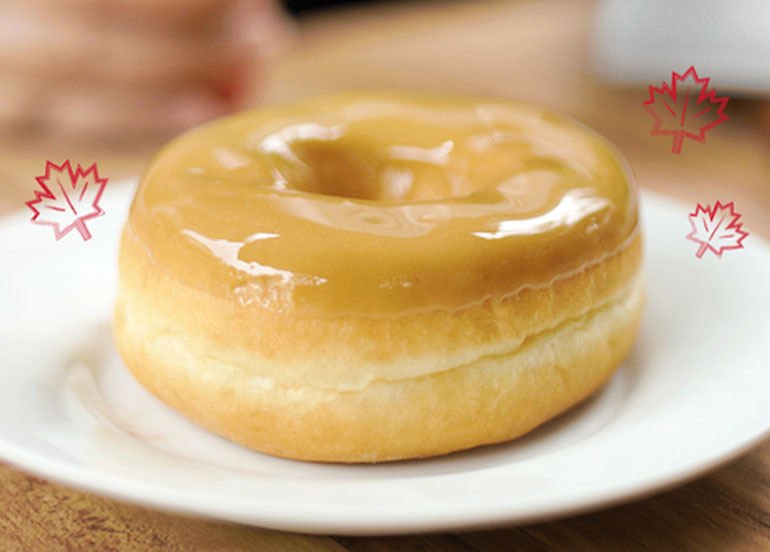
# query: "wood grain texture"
38,515
529,50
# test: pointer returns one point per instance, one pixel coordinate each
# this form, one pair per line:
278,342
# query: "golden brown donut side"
347,353
338,389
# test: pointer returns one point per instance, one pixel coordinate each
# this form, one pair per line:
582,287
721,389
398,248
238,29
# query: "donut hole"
336,171
343,169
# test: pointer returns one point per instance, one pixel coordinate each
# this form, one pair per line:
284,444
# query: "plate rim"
186,502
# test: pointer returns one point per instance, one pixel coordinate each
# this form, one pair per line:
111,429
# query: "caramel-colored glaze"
383,204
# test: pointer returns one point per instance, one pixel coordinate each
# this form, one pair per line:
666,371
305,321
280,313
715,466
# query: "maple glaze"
383,204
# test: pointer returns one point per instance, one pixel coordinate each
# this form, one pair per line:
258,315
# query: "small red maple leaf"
716,229
68,198
679,113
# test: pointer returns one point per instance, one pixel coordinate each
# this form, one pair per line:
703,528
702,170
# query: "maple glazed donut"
378,276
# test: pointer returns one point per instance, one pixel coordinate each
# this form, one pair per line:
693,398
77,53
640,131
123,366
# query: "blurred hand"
126,69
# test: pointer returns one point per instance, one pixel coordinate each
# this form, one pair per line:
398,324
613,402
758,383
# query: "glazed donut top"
383,204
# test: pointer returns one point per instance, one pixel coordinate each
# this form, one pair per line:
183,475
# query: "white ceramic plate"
694,393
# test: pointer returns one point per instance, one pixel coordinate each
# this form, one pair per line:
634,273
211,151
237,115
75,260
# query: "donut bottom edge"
492,400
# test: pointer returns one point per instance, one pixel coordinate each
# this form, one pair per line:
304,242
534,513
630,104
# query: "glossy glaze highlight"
383,204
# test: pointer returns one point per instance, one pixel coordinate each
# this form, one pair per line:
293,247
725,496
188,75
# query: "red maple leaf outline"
705,94
79,223
734,225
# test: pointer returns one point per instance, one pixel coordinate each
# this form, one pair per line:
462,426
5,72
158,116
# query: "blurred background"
111,80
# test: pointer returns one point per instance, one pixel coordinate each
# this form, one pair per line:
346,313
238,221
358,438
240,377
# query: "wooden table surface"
531,50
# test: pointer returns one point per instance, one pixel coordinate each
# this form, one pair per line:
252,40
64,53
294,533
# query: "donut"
376,276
